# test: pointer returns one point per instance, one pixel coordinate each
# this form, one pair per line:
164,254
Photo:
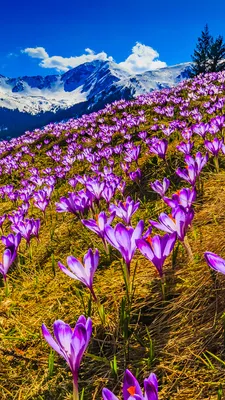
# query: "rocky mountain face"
27,102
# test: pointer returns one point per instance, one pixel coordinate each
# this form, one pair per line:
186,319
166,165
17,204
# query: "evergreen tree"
217,55
202,53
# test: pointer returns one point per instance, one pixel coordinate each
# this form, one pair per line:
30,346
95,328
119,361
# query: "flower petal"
108,395
215,262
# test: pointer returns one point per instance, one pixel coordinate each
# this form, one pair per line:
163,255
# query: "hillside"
32,102
168,320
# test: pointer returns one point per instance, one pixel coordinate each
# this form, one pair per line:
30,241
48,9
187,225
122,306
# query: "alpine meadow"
112,266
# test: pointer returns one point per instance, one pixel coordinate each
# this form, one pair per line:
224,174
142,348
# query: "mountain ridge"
29,102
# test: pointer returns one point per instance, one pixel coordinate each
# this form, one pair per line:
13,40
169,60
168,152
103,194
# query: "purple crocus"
98,225
124,239
133,154
8,258
2,219
185,147
193,167
16,217
95,187
184,197
41,200
70,344
125,210
83,272
157,248
159,187
198,162
214,146
217,122
132,389
159,147
108,193
75,203
201,129
215,262
73,182
11,241
135,175
27,228
189,174
125,167
178,222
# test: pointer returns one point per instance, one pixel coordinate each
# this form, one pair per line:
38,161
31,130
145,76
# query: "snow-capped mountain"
30,102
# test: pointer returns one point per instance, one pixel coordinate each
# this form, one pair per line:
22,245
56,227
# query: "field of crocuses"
112,245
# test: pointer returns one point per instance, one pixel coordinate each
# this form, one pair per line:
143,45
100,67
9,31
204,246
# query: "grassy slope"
182,329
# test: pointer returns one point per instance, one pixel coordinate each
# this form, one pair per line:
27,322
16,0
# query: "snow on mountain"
161,78
29,102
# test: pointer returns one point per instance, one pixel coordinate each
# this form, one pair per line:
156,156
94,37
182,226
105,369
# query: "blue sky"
110,28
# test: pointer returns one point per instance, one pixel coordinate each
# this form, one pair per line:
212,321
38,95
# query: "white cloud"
36,52
143,58
63,64
89,51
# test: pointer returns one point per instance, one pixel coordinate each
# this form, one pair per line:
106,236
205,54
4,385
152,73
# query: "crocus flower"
132,390
185,147
159,147
132,154
189,174
214,146
83,272
73,182
157,248
125,210
70,343
41,200
98,225
27,228
7,260
193,167
121,187
124,239
95,187
187,133
215,262
198,162
135,175
201,129
108,193
2,219
184,197
178,222
36,227
16,217
76,203
11,241
218,122
159,187
125,167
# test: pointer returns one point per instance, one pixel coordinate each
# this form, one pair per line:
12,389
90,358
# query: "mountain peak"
29,102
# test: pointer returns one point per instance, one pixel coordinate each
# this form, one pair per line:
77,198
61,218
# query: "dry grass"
186,330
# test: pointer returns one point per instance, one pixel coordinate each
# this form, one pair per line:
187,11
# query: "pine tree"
209,55
217,55
202,53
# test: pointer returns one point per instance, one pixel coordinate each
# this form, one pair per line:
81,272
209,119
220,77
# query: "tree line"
209,54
